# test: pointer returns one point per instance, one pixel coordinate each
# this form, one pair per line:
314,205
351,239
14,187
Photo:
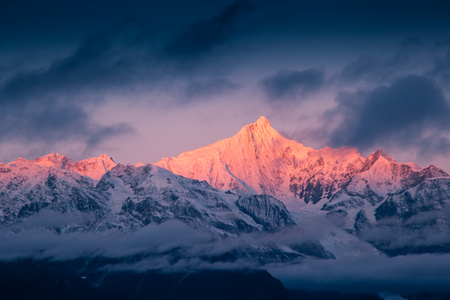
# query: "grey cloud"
416,238
48,121
411,112
49,218
365,67
427,231
173,246
169,241
210,87
43,245
289,84
98,134
49,104
409,48
441,68
385,68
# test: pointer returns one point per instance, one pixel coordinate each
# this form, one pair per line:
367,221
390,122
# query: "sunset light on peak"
235,149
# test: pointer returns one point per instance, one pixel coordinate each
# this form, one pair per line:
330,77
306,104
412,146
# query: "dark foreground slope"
101,278
30,279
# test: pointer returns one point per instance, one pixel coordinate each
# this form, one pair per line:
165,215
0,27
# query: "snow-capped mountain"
129,197
26,187
380,178
259,160
233,187
52,182
51,198
355,192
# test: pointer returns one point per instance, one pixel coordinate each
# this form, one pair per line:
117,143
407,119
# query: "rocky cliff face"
142,195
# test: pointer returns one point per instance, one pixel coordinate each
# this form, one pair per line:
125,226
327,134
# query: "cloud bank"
411,111
402,274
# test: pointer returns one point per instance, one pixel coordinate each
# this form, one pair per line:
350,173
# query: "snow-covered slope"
381,178
128,197
259,160
149,194
27,188
52,183
354,192
231,187
93,167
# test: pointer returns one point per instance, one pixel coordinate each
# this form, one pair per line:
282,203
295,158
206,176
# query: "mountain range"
254,182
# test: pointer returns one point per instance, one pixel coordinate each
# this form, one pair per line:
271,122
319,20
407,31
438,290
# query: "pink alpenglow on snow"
94,167
259,160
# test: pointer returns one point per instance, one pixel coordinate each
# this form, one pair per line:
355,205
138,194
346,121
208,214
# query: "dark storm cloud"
290,84
105,60
208,34
412,111
50,103
128,54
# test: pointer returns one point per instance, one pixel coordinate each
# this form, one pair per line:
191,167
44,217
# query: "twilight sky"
147,79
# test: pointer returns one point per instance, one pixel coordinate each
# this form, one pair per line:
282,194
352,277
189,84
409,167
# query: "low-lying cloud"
39,243
402,274
175,247
47,235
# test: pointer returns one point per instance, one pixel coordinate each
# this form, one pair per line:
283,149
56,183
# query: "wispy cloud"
293,85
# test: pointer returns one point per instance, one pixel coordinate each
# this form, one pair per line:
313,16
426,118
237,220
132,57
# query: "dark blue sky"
145,79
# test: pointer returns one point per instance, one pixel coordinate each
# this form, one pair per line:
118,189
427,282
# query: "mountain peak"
380,152
374,157
263,122
52,160
249,161
93,167
258,131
